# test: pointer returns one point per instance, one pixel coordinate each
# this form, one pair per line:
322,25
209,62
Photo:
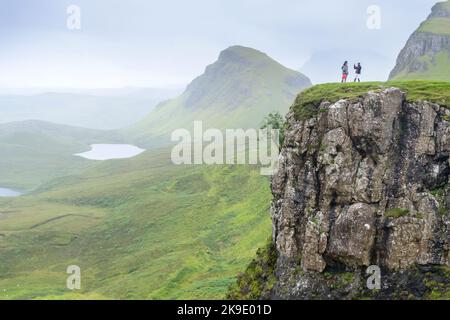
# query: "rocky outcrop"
424,47
363,182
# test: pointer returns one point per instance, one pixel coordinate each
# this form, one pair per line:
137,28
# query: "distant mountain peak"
237,75
241,53
440,10
236,91
426,54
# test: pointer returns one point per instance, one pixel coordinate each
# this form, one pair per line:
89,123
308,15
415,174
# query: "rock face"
428,49
364,182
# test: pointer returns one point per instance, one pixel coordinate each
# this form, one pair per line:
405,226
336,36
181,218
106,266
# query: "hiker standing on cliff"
344,72
358,69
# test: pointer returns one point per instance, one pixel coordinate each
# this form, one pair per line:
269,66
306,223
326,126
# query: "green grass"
307,103
140,228
259,277
436,26
35,152
437,69
435,66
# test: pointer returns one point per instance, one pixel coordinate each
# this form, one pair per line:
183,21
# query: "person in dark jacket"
344,69
358,69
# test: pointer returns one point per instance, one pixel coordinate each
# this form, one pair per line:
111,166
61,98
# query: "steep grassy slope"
32,152
438,22
138,228
237,91
426,55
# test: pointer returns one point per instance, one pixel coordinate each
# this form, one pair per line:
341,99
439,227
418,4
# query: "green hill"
140,228
426,55
33,152
143,228
237,91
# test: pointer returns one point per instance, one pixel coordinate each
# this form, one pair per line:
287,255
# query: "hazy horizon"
167,44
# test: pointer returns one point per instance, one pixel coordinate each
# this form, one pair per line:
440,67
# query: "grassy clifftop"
307,103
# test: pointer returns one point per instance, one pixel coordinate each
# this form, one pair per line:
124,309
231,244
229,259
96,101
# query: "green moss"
396,213
307,104
438,25
439,194
438,290
328,275
259,277
439,295
445,270
346,278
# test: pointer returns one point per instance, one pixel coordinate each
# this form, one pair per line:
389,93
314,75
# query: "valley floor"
139,228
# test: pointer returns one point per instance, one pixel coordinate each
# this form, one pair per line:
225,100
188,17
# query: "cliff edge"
363,182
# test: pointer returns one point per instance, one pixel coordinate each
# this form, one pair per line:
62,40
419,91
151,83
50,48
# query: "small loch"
110,151
6,192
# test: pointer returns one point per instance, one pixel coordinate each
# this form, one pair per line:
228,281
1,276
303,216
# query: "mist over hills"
94,108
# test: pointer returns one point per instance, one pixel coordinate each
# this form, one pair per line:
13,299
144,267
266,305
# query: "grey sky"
163,43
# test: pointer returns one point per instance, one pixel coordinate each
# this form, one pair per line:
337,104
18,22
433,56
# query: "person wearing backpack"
344,69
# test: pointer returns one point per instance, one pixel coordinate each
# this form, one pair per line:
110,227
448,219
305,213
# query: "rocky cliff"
363,181
426,54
